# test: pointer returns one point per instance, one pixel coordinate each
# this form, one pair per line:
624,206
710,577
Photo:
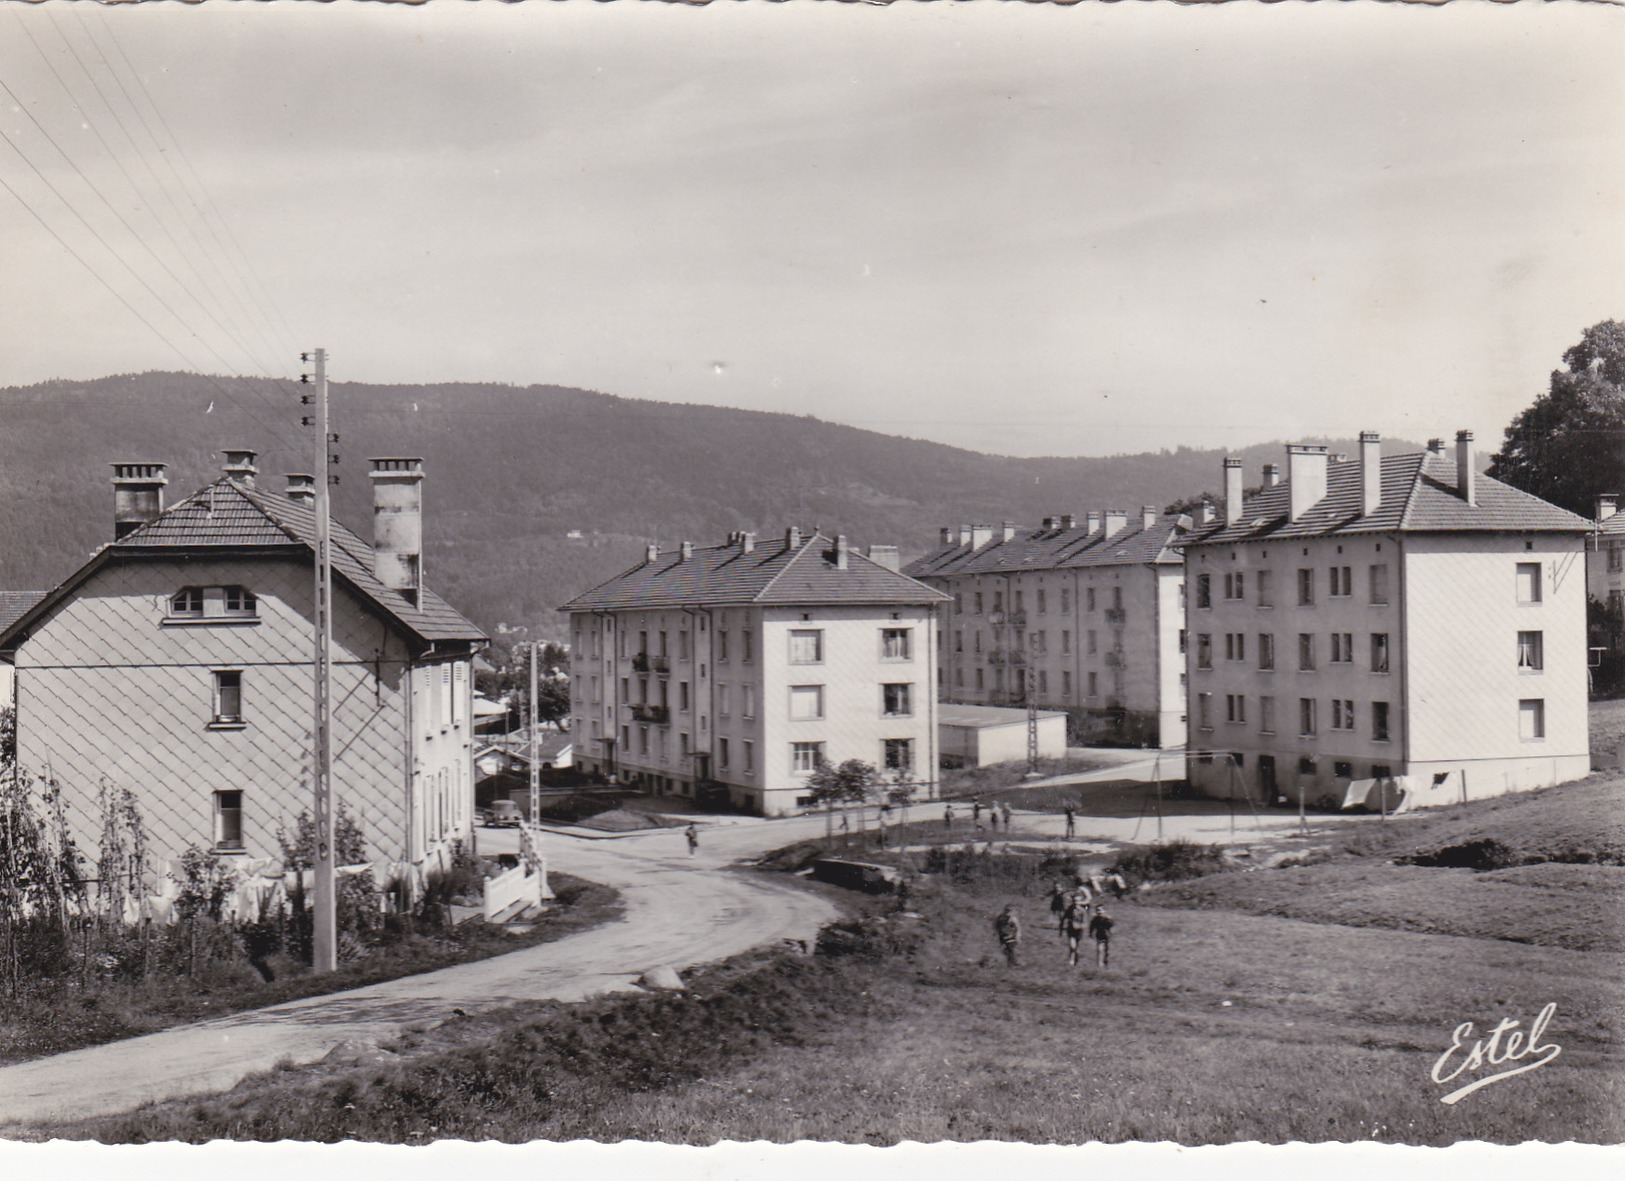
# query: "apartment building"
1385,617
178,664
1605,573
730,672
1083,617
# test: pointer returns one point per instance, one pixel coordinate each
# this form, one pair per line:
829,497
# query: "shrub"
1173,861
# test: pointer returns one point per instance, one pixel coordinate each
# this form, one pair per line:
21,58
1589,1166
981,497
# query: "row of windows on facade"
1037,642
896,753
1308,767
198,601
445,708
806,700
1040,680
1018,601
1529,652
439,815
806,645
1343,715
1340,585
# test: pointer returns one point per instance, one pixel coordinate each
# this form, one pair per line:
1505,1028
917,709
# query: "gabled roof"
771,573
1062,548
1612,525
231,516
1418,495
14,604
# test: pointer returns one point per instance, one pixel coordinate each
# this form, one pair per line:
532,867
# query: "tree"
1569,445
852,781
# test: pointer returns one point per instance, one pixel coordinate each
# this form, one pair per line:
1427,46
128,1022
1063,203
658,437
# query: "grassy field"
1296,1003
60,1017
1607,729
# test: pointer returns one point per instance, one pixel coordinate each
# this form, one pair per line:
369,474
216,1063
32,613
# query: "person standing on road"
1071,823
1100,929
693,838
1008,929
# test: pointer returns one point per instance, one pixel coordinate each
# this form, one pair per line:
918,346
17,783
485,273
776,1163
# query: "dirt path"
681,911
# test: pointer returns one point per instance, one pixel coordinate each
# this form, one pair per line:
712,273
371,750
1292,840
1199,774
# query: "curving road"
680,910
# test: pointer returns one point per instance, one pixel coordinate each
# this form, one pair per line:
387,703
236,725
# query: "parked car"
503,812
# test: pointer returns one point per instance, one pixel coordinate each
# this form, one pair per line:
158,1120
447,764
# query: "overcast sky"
1016,228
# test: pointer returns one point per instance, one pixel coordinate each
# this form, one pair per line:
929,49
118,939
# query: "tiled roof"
1059,548
1418,495
772,573
229,514
14,604
1613,525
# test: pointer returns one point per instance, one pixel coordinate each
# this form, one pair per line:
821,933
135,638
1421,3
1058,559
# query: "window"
1306,717
682,643
724,696
1066,684
980,679
1204,710
626,738
897,754
1343,715
228,820
1235,647
807,702
1306,766
1266,589
978,642
643,739
1531,650
1117,597
978,602
1379,654
1306,652
187,603
1616,557
1306,586
722,753
747,647
1092,643
1020,602
1343,769
1066,641
228,697
1042,607
747,698
1043,682
1204,591
1529,584
897,699
1342,585
1204,652
240,602
998,600
682,743
1066,600
1235,586
1342,647
1089,599
1266,652
1266,713
959,641
722,645
663,650
682,697
896,644
805,756
1379,721
1531,719
749,755
1235,709
806,646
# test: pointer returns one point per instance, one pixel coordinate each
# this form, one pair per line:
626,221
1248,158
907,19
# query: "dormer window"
213,604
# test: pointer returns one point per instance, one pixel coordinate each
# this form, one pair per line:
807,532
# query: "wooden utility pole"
324,937
535,774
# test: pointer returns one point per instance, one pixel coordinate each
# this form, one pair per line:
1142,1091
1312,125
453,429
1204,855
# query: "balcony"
996,617
1018,658
1115,616
651,713
996,657
1017,618
1114,658
660,662
640,662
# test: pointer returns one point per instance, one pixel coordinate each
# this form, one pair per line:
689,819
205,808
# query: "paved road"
681,911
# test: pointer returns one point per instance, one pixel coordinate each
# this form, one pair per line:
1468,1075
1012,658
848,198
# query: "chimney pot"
397,523
1466,476
1607,506
1370,472
1232,491
1305,477
1436,445
239,465
301,488
138,494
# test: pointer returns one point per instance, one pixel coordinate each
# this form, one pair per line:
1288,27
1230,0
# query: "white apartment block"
1085,618
1401,617
731,671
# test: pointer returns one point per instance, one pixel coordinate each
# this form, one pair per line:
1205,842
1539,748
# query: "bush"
1173,861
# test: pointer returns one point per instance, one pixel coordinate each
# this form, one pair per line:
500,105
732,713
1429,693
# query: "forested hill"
512,471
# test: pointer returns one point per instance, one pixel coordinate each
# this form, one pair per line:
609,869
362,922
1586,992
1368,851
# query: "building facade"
1605,577
731,671
178,664
1385,617
1084,618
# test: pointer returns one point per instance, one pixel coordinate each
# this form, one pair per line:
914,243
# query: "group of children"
1078,912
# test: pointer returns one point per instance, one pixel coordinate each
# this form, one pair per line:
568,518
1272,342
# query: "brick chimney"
1607,506
1370,472
1466,484
1305,477
1232,491
301,488
886,555
239,465
397,523
138,494
1115,521
1272,475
